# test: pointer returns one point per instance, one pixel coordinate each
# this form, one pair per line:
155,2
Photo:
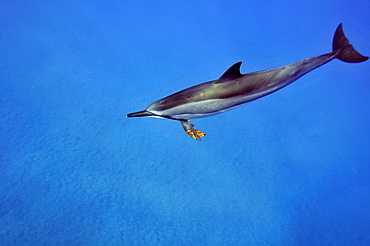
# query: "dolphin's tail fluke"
346,52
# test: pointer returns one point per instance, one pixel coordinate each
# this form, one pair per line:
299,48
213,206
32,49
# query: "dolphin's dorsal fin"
232,73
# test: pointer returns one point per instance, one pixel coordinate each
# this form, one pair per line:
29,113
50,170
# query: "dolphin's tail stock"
346,52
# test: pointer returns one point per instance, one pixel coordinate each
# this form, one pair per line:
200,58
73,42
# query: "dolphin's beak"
140,114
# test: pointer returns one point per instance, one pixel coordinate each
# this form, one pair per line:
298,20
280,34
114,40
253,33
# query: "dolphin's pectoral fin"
189,129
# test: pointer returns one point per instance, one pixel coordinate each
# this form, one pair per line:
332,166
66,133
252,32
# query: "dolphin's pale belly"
193,110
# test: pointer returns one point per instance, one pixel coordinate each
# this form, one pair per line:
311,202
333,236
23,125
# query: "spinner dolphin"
234,89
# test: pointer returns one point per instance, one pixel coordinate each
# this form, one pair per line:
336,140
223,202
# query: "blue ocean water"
288,169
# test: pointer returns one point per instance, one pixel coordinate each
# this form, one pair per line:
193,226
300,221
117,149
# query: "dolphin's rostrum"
233,89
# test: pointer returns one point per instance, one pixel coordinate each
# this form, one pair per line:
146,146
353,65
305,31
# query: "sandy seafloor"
289,169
